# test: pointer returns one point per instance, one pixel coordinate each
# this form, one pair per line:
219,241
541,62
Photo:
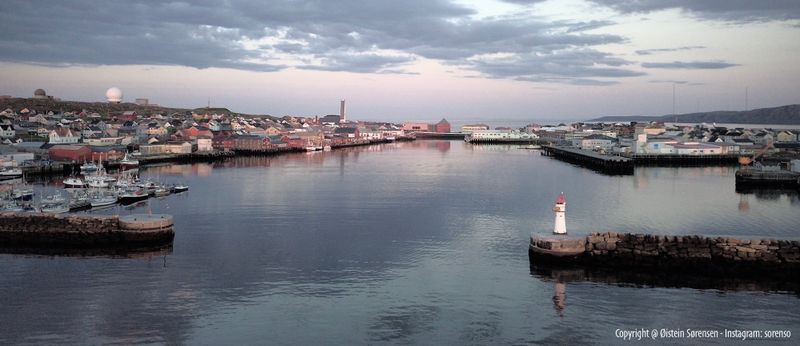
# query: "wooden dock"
587,158
684,160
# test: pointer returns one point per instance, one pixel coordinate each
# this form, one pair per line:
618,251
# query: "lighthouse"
560,209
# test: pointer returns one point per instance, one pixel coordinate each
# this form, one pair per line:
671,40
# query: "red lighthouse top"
561,199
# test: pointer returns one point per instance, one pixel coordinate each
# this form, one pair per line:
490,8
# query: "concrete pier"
85,231
688,253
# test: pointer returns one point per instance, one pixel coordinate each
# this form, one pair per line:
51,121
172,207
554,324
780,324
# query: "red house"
442,126
194,132
72,153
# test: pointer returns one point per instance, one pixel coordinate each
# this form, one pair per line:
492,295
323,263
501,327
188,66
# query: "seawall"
84,231
690,253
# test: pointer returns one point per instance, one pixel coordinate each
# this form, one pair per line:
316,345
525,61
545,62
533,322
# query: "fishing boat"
10,173
180,188
78,200
133,196
96,182
149,187
102,200
24,193
88,167
55,204
161,191
74,183
128,163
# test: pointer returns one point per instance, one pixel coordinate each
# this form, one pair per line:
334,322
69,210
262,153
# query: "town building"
416,127
474,127
70,153
63,135
442,126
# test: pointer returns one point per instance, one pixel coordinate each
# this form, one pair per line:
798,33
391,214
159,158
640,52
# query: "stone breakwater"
84,231
713,255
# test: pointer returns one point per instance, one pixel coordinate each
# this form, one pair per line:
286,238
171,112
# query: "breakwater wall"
83,231
690,253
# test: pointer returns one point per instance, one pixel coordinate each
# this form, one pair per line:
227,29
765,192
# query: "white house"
204,144
594,142
367,133
63,135
7,131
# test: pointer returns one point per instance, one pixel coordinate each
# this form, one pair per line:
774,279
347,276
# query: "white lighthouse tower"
560,209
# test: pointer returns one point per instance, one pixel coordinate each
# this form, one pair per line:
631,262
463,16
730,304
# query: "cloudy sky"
413,59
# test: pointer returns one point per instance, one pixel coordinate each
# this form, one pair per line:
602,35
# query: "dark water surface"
422,243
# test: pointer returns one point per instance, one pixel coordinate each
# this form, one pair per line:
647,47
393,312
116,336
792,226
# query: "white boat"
96,182
326,148
102,200
24,194
161,191
128,163
88,167
180,188
55,208
55,204
74,183
10,173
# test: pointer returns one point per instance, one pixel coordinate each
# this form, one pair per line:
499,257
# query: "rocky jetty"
712,255
83,231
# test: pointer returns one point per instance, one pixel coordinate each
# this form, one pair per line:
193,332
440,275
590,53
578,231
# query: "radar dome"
39,93
114,95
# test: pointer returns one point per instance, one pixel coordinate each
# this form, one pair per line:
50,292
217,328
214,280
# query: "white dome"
114,95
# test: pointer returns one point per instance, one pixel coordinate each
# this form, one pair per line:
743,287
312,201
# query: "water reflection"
148,252
565,275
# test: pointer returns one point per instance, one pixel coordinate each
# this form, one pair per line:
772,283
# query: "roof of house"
68,147
345,130
599,136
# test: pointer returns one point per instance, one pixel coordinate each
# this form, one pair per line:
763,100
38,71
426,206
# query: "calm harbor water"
422,242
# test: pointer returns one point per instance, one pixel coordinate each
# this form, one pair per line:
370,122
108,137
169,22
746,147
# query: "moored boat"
128,163
102,201
133,196
88,167
10,173
74,183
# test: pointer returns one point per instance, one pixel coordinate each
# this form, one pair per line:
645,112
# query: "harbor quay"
603,163
20,229
687,253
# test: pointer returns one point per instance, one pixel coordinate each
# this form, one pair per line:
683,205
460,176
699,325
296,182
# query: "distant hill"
783,115
47,105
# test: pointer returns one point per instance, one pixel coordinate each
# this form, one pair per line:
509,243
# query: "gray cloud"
659,50
354,62
740,11
696,65
353,35
669,81
580,67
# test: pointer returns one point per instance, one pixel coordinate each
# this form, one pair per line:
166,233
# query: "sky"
412,59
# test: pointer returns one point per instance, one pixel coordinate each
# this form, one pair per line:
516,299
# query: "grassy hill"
783,115
47,105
